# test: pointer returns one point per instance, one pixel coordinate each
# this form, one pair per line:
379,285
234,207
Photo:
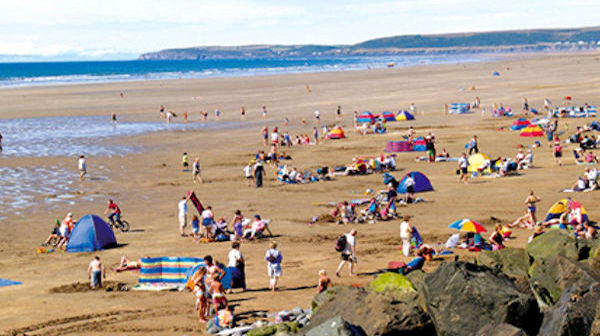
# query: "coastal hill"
482,42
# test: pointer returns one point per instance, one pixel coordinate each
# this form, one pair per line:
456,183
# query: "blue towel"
6,282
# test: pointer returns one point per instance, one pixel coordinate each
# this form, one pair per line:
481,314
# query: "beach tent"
476,161
398,146
459,108
422,183
337,133
519,124
388,116
366,117
404,115
578,212
91,233
532,131
173,270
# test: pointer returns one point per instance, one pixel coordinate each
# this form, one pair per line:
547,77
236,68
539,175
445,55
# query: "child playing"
557,149
218,293
184,161
196,229
324,282
199,287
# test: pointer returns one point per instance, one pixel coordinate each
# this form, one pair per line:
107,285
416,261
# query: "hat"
257,216
69,215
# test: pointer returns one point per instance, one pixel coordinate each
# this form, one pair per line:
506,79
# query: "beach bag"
340,243
272,257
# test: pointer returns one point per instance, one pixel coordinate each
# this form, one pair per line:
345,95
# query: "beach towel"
156,287
196,202
7,282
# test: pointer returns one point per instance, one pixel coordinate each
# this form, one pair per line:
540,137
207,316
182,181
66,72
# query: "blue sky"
117,29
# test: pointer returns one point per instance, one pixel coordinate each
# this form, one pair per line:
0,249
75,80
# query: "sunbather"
127,264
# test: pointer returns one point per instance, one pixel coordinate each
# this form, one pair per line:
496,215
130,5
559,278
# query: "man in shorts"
463,165
349,253
182,210
96,272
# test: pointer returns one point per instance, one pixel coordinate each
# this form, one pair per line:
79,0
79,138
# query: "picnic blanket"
7,282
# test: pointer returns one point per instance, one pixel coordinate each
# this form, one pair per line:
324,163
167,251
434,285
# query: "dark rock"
416,278
513,262
551,276
325,296
336,326
558,242
575,312
462,298
503,329
376,314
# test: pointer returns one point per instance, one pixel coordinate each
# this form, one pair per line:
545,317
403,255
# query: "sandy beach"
148,185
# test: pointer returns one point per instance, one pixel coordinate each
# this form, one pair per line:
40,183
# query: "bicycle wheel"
124,226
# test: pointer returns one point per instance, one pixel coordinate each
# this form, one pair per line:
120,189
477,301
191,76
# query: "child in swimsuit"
218,293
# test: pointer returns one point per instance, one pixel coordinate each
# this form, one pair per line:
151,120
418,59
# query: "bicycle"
123,225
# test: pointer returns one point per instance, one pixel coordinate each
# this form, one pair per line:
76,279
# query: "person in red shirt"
115,212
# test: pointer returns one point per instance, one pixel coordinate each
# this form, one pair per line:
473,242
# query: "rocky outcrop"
375,313
336,326
462,298
503,329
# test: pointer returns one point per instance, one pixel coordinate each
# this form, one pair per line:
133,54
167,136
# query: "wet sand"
148,185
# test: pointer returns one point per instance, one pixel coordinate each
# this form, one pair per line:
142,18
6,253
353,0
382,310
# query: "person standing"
413,109
217,114
185,161
316,135
81,164
531,208
338,112
208,221
248,173
96,272
317,116
258,170
197,177
348,253
557,150
473,145
0,142
236,267
405,235
463,168
182,214
273,258
265,135
264,111
409,184
113,119
243,113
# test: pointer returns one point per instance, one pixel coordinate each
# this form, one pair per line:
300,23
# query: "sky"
123,29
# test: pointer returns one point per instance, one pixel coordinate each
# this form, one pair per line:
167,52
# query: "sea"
80,72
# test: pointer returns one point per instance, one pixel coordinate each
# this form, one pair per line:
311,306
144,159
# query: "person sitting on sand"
586,231
54,236
497,239
562,221
66,226
347,213
324,282
591,174
580,185
220,228
523,221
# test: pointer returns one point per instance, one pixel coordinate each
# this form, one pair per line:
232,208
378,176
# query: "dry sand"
148,185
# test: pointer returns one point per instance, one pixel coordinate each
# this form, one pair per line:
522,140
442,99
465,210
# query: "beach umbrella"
467,225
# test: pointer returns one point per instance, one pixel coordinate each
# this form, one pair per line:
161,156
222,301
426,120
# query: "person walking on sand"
243,113
413,109
265,135
185,117
273,258
96,272
338,113
317,116
473,145
196,177
82,166
463,168
531,201
557,150
348,253
217,114
316,135
405,235
182,214
264,111
185,161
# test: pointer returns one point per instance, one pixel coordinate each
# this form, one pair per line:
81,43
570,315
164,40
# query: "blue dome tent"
422,183
91,233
